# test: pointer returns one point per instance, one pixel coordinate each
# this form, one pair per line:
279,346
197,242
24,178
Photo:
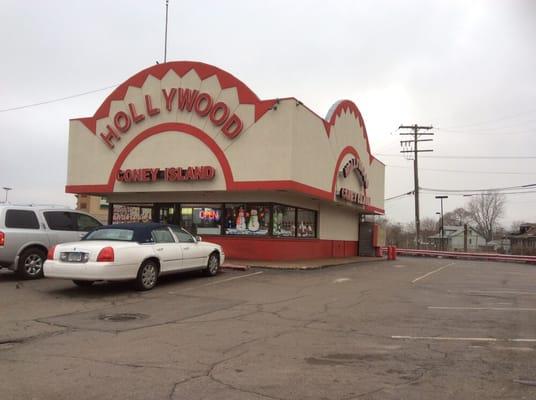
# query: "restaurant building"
190,144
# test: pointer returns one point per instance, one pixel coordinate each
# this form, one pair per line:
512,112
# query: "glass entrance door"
166,214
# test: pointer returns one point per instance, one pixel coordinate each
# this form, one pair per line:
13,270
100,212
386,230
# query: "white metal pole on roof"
165,37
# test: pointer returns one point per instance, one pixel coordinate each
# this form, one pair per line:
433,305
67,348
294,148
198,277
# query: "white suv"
26,232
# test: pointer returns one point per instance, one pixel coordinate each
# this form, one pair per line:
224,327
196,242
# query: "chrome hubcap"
33,264
213,264
148,275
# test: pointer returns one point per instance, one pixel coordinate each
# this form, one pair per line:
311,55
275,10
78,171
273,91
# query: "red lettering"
186,98
203,99
135,116
122,121
209,172
154,174
169,97
190,174
149,106
232,127
145,174
198,173
111,134
171,174
119,176
219,120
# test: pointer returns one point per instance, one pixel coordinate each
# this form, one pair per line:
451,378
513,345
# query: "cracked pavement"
320,334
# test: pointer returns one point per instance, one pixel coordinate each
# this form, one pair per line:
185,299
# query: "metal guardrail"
465,256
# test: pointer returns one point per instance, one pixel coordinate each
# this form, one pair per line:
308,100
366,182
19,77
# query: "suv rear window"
22,219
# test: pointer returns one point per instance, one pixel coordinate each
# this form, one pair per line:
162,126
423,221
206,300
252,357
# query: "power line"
56,100
528,186
400,196
490,131
478,194
491,121
465,171
468,157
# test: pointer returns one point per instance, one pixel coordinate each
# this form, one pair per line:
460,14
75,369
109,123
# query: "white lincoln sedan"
140,252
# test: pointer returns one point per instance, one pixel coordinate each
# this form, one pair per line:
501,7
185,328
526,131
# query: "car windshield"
110,234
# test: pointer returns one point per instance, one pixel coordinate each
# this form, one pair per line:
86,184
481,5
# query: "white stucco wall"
289,143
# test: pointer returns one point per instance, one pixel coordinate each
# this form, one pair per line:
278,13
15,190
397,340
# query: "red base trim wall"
271,249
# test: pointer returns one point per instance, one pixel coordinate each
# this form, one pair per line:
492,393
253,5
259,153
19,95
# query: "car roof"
136,225
142,231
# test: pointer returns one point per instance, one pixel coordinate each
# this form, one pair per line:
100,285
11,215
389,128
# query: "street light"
7,189
442,237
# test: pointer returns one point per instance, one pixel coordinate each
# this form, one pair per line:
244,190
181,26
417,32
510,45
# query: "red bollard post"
389,253
394,253
378,251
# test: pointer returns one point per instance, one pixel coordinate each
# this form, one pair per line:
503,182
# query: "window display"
251,219
201,220
306,223
123,214
242,219
284,221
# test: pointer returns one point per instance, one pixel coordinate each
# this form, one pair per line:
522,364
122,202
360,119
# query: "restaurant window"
201,220
306,223
284,221
125,214
247,219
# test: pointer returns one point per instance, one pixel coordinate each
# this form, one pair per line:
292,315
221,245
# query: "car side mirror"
198,238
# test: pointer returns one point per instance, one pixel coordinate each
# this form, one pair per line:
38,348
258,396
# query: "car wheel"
213,264
31,263
82,283
147,276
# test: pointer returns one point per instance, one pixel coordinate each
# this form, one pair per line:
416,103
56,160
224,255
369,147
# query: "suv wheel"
31,263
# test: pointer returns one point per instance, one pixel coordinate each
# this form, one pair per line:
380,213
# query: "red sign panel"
170,174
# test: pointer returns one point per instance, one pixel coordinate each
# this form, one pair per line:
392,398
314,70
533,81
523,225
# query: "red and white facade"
188,143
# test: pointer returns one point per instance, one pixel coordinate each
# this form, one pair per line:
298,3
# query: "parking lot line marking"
214,283
500,292
432,272
463,339
482,308
229,279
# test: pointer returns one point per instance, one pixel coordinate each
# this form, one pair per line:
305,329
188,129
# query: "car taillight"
106,254
50,254
2,238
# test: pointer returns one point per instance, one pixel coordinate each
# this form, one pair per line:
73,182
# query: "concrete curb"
300,267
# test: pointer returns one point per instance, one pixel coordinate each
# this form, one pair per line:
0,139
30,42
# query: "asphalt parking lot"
406,329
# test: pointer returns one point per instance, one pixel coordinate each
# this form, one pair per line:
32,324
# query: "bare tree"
457,217
429,226
485,210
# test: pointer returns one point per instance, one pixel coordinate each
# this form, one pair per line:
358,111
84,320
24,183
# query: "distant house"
499,245
524,242
453,238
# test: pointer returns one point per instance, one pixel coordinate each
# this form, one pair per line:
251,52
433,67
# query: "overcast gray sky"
465,67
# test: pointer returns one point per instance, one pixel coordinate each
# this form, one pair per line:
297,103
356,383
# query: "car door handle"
186,248
160,249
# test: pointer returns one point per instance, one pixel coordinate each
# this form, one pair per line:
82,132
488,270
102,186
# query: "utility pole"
411,148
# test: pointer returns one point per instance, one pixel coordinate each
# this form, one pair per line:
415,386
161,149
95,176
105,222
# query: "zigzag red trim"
181,68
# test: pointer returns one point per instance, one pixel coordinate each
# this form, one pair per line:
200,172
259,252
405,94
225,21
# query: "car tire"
213,264
31,261
82,283
147,275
